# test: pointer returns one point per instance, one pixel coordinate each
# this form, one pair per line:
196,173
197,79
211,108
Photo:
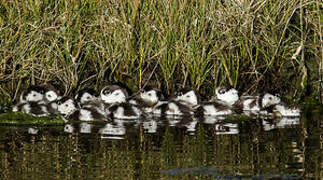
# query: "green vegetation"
19,118
252,45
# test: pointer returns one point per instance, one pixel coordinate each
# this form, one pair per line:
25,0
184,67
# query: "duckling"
86,96
113,94
191,99
213,109
32,94
148,98
173,108
182,104
188,97
226,95
258,104
115,99
50,99
30,102
68,107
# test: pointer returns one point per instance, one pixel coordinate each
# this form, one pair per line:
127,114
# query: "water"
154,148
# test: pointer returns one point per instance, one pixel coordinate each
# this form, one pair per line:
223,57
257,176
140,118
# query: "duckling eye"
88,97
117,94
188,96
49,95
34,95
66,105
149,94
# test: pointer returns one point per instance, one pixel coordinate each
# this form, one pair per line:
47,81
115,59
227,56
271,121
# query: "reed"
253,45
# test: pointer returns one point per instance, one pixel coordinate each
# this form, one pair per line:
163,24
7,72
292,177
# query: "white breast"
286,111
211,110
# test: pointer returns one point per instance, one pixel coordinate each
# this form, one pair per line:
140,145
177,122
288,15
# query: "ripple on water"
157,148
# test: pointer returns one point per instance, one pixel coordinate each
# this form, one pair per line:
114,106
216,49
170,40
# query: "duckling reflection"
268,125
288,122
227,128
112,131
284,122
287,111
213,119
254,105
69,128
150,126
33,131
85,128
191,126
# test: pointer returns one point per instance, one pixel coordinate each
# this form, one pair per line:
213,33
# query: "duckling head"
188,96
227,94
151,95
269,100
51,96
33,94
113,94
86,96
66,105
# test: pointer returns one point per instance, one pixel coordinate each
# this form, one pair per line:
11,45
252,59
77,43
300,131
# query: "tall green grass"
263,45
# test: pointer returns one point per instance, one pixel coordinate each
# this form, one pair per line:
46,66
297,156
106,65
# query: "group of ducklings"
114,102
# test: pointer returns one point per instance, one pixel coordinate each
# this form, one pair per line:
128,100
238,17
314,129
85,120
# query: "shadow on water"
166,148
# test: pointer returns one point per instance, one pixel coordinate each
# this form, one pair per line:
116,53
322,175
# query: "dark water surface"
154,148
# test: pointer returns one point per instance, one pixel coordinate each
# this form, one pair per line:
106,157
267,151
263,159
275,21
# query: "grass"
252,45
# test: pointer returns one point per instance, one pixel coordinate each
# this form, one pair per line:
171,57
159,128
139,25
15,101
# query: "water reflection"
226,128
150,126
165,148
285,122
32,130
113,131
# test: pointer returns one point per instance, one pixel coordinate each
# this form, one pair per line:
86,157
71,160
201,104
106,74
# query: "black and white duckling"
227,95
258,104
50,99
148,98
115,99
113,94
182,104
188,97
32,94
69,108
31,102
191,99
86,96
173,108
